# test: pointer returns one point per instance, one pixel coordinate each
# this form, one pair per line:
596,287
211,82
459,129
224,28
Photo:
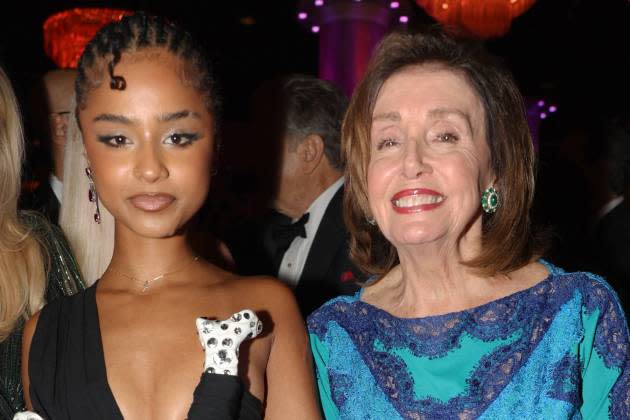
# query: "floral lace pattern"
536,330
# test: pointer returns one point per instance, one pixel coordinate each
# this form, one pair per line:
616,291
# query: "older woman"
462,320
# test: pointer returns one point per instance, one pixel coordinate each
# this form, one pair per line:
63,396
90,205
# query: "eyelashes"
114,141
445,137
386,143
182,139
175,139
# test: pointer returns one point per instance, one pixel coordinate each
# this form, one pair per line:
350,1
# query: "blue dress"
558,350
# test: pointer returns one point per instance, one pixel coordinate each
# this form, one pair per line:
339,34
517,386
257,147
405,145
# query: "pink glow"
543,115
319,3
403,19
394,5
553,108
541,103
315,29
302,15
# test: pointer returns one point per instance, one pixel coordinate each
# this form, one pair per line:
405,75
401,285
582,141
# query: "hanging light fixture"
481,18
67,33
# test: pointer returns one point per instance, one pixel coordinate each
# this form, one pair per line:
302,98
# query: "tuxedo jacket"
328,271
43,200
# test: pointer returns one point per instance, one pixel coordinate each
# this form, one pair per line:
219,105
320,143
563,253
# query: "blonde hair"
22,268
91,243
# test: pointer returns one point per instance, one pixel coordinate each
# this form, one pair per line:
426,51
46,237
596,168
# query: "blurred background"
570,59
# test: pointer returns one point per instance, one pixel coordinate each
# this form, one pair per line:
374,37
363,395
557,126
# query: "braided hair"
137,32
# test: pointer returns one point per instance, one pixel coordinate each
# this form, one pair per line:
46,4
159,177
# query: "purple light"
315,29
403,19
302,15
541,103
319,3
553,108
543,115
394,5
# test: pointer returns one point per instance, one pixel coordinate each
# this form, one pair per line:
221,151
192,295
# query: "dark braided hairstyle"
137,32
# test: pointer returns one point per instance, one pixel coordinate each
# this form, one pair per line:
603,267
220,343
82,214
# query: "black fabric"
328,271
282,234
43,200
68,378
609,251
223,397
63,279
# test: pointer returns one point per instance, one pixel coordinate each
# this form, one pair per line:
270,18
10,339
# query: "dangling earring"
92,196
490,200
370,221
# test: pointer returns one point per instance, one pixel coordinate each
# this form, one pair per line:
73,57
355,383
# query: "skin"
304,174
59,85
428,132
143,120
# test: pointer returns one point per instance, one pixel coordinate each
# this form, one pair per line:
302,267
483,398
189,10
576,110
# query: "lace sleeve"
604,355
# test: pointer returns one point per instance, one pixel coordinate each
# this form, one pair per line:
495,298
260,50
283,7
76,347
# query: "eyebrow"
162,118
178,115
113,118
442,112
388,116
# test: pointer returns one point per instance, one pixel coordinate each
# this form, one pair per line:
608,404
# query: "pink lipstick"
152,202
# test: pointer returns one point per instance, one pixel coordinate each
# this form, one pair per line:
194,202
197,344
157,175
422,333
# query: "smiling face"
149,145
429,159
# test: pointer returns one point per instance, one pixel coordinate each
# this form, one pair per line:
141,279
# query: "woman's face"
429,158
150,145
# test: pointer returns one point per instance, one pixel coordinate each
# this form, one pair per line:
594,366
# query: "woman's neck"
432,278
142,259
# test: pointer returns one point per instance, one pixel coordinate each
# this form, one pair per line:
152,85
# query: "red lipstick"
416,200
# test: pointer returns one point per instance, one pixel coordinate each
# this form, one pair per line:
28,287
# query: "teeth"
417,200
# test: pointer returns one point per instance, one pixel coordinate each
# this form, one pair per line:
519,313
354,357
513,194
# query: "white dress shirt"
57,186
294,258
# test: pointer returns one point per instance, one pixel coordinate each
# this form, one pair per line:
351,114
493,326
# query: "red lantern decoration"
67,33
482,18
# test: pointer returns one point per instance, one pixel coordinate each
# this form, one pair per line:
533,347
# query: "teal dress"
558,350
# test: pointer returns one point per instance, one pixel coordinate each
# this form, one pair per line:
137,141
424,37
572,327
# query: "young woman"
35,262
147,108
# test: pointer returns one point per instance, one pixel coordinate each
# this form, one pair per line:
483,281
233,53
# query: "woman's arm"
290,385
27,337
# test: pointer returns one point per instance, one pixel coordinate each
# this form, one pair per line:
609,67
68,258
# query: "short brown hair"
508,240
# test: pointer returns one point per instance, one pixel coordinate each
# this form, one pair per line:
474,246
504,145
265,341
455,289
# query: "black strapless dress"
68,379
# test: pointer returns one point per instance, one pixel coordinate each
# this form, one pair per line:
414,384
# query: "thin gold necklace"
147,283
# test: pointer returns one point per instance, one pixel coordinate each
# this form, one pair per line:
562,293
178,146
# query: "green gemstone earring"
490,200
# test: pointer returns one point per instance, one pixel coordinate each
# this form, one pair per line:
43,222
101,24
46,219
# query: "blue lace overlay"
536,353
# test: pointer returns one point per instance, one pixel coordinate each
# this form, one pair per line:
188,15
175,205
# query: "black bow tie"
283,233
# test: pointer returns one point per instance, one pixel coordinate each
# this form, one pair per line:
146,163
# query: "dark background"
573,49
573,53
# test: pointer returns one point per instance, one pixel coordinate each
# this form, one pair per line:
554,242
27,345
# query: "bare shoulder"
265,291
29,329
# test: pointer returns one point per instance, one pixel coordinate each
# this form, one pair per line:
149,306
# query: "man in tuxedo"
51,111
303,241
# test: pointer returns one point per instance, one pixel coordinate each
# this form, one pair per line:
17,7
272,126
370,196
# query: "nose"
150,166
414,163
